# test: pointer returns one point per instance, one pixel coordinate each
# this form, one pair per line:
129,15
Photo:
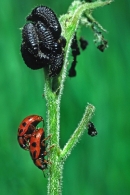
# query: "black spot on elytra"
34,144
24,124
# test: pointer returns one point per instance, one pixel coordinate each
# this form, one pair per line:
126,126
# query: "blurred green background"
99,165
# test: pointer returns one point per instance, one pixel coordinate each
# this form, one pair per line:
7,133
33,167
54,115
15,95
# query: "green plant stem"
55,165
69,23
55,180
89,111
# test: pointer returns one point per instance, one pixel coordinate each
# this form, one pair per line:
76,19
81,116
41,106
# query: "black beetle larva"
30,37
48,17
32,61
46,39
56,64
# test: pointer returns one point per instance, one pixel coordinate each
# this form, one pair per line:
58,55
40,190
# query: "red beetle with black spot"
38,148
26,128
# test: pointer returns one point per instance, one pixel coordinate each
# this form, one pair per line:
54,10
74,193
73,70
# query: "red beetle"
38,148
26,128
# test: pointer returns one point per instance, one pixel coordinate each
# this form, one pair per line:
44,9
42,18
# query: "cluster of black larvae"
75,53
42,45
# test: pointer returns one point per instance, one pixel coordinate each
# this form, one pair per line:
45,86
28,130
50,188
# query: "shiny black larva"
56,64
46,39
30,38
48,17
34,62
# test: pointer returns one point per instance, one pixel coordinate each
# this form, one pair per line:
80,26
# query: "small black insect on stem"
83,43
42,45
91,129
76,52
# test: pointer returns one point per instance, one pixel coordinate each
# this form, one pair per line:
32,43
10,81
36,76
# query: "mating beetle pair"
33,139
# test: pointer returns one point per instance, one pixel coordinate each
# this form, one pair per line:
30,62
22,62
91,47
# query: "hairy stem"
56,156
55,166
78,132
69,23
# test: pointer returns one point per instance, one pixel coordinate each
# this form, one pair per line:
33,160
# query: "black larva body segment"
59,45
32,61
56,63
46,39
48,17
30,37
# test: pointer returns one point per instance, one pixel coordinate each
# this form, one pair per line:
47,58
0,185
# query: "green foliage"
98,165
